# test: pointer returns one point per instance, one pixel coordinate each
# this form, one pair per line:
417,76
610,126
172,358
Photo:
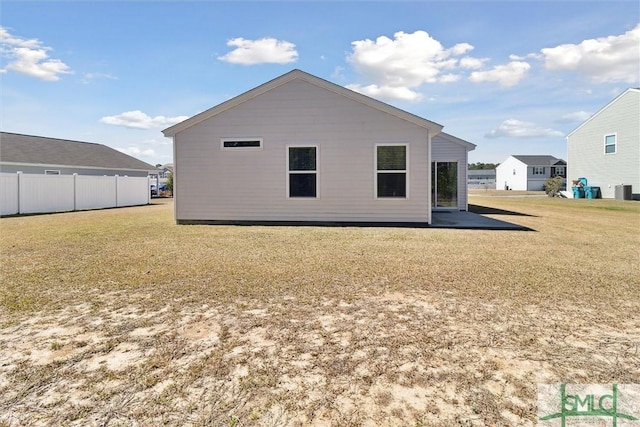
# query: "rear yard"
119,317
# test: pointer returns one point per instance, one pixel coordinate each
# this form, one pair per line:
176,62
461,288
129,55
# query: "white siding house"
299,149
528,173
605,149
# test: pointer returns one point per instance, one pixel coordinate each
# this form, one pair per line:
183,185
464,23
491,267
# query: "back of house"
299,149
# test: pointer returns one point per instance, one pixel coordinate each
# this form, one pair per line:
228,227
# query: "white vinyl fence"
30,193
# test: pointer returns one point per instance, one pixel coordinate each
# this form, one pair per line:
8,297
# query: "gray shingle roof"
28,149
481,172
539,160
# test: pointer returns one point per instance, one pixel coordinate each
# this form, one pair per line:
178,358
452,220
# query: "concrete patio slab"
470,220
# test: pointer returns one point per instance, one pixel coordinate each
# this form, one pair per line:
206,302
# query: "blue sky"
512,77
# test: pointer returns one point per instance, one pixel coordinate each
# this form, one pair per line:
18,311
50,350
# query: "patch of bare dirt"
395,360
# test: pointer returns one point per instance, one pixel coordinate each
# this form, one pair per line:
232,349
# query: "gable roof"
309,78
539,160
629,90
450,138
38,150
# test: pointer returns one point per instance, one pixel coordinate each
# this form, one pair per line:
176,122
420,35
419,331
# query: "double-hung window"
391,171
538,170
610,144
302,172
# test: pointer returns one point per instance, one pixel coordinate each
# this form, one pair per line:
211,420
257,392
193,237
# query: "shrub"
552,186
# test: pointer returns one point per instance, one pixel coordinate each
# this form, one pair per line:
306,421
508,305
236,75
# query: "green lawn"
120,316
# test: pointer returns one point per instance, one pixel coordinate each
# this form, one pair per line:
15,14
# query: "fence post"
117,204
19,182
75,191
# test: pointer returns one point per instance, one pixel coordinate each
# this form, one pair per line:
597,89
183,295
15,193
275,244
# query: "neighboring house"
40,155
528,172
605,149
299,149
165,171
482,178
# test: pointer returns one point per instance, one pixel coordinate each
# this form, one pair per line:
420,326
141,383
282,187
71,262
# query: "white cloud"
30,57
136,152
89,77
139,120
512,128
166,141
408,60
8,39
338,72
506,75
575,117
262,51
396,68
449,78
387,92
472,63
461,49
605,59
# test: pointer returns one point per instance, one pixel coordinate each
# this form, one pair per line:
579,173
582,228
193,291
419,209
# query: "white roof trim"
631,89
433,127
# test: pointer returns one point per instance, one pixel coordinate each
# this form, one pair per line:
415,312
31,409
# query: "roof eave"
597,113
466,144
226,105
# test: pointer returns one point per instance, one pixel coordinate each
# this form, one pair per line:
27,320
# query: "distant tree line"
482,166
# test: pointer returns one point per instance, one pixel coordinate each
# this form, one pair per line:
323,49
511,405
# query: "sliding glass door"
444,185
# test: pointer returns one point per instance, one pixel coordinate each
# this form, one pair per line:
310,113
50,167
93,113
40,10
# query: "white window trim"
288,172
539,170
615,144
223,140
375,170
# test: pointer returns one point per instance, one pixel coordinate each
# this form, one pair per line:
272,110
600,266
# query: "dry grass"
120,317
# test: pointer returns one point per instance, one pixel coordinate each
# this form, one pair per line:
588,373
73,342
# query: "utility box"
623,192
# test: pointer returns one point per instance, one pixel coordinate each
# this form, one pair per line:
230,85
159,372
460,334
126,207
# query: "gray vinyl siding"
536,182
212,183
585,148
445,151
